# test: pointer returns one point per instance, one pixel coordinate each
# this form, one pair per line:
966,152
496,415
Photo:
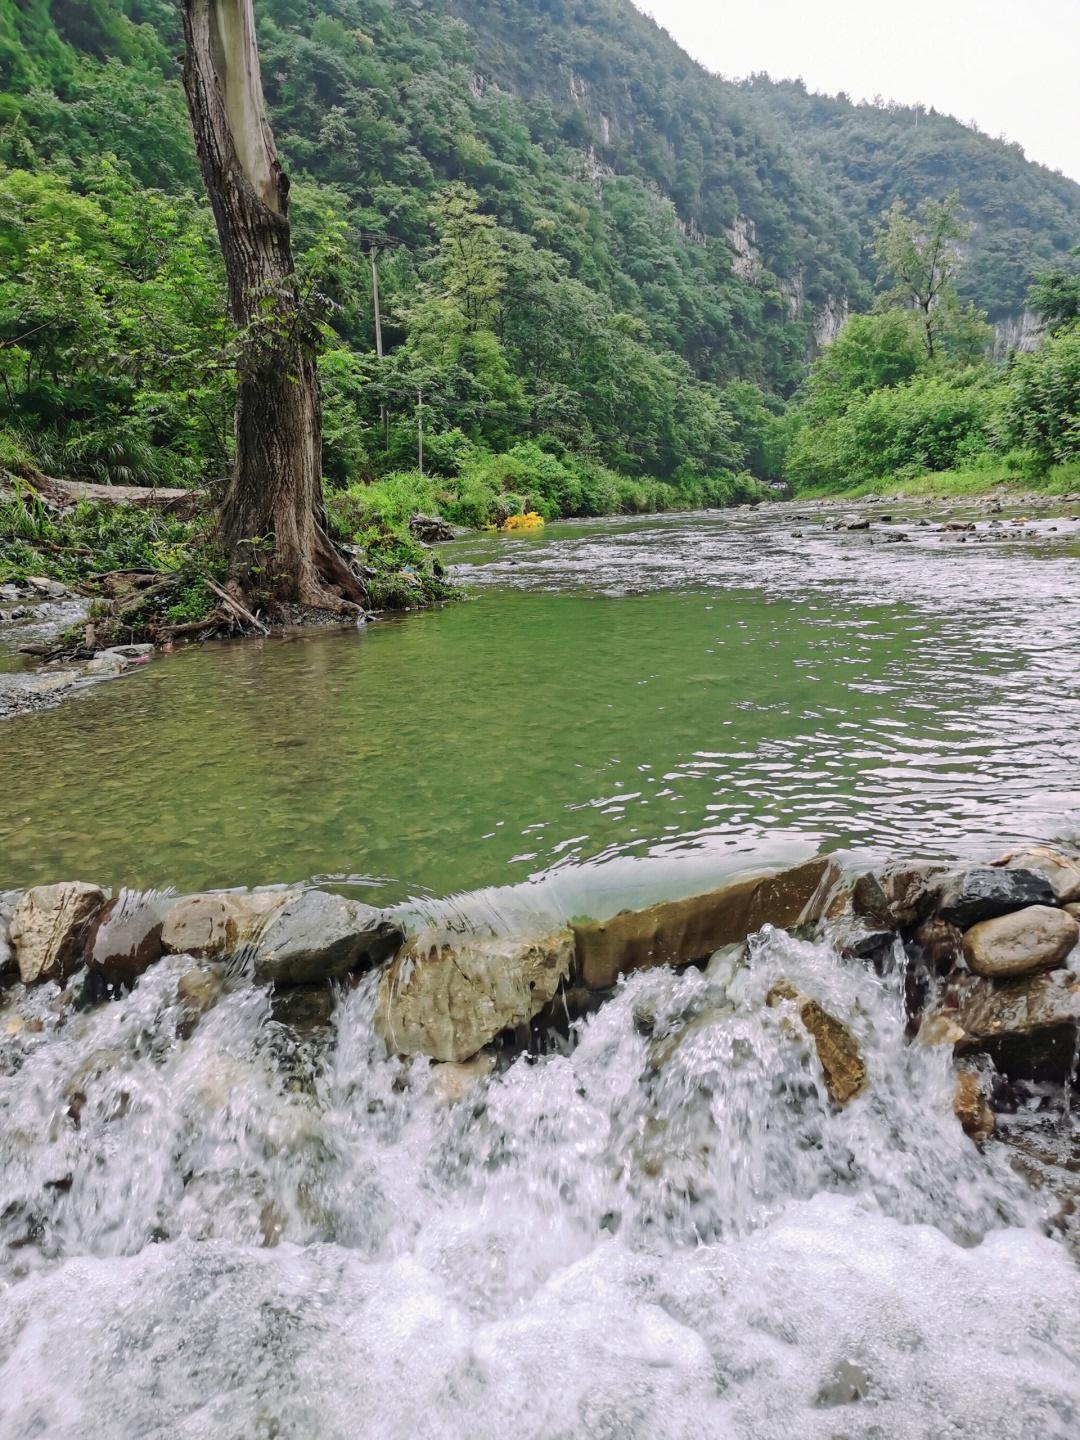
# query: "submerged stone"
452,1081
450,1000
1037,938
49,928
216,925
678,932
837,1049
127,938
971,1107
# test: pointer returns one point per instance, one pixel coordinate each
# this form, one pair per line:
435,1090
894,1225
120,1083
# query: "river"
241,1228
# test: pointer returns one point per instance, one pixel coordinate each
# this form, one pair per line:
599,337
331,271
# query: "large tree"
271,515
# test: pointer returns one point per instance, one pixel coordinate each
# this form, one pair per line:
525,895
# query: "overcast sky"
1013,66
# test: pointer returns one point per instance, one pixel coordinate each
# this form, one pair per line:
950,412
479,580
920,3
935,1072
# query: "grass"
984,477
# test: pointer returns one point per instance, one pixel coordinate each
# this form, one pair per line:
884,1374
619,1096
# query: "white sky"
1013,66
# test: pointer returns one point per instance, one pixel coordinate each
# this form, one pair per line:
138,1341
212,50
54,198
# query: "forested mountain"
583,237
1025,216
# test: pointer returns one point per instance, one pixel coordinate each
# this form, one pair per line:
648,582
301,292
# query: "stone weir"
989,957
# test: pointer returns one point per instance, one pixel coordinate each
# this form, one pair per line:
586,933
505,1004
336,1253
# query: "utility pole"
373,251
420,431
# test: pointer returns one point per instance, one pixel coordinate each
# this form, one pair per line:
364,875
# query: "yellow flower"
531,521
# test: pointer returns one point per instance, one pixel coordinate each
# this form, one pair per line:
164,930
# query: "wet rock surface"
316,936
1027,1025
682,931
49,928
837,1049
981,894
218,924
1062,871
449,1000
127,936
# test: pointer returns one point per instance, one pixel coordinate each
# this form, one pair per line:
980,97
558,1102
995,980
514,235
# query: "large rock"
431,529
1028,1026
450,1000
980,894
318,936
208,927
1038,938
49,929
681,931
837,1049
1061,870
127,938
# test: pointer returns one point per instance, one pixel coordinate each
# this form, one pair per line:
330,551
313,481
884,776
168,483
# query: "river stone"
982,894
1061,870
837,1049
898,895
104,664
127,939
431,529
1028,1026
971,1107
678,932
452,1080
210,926
317,936
8,963
49,928
448,1001
52,589
1038,938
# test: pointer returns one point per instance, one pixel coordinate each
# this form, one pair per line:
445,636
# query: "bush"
1042,401
933,422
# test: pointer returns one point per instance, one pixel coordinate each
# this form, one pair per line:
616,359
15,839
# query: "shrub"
1042,401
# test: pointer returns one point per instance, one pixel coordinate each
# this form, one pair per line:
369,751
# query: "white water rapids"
235,1231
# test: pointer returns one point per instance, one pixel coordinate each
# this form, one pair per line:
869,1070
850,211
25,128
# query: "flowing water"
654,700
665,1232
227,1226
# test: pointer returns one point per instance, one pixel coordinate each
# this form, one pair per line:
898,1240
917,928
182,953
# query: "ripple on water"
701,686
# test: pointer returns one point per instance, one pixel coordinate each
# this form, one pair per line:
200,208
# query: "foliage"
553,191
1055,294
919,255
1042,404
113,342
1027,217
74,544
931,422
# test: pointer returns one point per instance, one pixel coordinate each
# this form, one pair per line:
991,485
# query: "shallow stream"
655,700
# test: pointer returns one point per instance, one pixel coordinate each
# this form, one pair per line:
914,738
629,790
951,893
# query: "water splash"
663,1228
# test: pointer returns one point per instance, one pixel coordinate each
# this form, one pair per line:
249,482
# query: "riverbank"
975,482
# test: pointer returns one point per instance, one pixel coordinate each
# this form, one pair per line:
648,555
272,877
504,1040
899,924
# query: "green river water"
630,703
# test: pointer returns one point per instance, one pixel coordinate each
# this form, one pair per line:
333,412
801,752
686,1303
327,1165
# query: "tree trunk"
272,510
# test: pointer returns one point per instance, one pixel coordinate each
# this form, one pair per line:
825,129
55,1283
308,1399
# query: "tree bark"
272,511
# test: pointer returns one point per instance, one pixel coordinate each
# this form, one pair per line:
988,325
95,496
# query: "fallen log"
182,503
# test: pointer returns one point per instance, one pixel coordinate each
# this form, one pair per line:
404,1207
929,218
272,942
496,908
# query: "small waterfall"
216,1224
